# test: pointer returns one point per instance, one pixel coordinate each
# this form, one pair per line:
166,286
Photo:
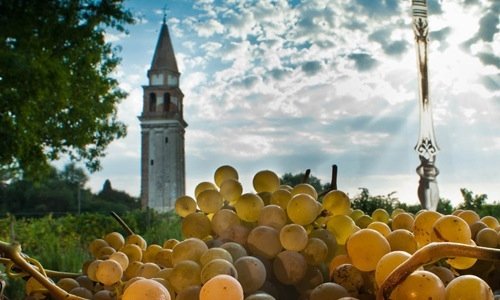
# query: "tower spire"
164,56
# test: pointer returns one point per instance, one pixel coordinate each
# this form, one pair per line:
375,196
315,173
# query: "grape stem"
333,182
122,223
429,254
13,252
305,179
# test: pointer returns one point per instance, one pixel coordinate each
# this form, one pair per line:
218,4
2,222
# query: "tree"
294,179
57,96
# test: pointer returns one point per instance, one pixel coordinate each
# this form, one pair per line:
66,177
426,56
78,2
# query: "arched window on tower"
152,102
166,102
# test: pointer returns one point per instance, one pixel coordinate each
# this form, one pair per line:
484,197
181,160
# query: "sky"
295,85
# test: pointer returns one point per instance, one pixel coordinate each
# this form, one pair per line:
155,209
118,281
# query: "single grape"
150,253
209,201
203,186
146,289
224,173
289,267
420,285
403,221
164,258
121,258
221,287
137,240
231,190
445,274
365,248
381,215
363,221
381,227
266,181
305,188
248,207
490,221
328,291
451,228
336,202
303,209
469,216
461,262
388,263
215,253
402,239
184,206
67,284
350,277
186,273
356,213
281,197
223,220
422,226
329,239
188,249
293,237
115,240
251,273
133,252
236,250
264,241
196,225
487,237
468,287
148,270
315,251
341,226
216,267
273,216
109,272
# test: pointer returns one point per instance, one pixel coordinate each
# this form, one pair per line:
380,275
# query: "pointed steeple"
164,57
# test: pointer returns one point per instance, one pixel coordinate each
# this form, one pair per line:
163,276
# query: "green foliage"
368,203
294,179
57,94
478,204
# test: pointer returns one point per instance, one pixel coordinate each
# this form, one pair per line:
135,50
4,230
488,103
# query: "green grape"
266,181
388,263
381,227
264,241
215,253
402,221
224,173
315,251
251,273
224,220
350,277
305,188
365,248
363,221
329,239
236,250
341,226
468,287
216,267
186,273
403,240
188,249
293,237
451,228
210,201
490,221
303,209
336,202
202,186
381,215
422,226
469,216
281,197
248,207
185,205
196,225
289,267
231,190
420,285
487,237
273,216
445,274
328,291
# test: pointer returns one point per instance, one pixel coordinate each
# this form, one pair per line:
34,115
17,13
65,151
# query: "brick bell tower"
162,130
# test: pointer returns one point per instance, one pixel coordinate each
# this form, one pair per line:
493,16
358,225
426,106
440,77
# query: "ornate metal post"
426,147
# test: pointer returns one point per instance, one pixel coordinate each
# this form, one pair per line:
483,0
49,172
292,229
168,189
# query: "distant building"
162,130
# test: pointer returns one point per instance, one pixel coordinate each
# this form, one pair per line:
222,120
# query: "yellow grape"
327,291
420,285
224,173
422,226
402,221
356,213
289,267
487,237
203,186
214,253
266,197
92,269
381,227
381,215
109,272
132,269
105,252
67,284
329,239
186,273
402,239
490,221
363,221
266,181
196,225
185,205
293,237
170,243
96,245
315,251
461,262
150,253
336,202
264,241
451,228
224,220
397,211
305,188
348,276
468,287
189,293
248,207
303,209
222,287
121,258
445,274
115,240
217,266
133,252
251,273
273,216
231,190
33,287
164,258
338,260
365,248
281,197
469,216
188,249
137,240
236,250
148,270
209,201
341,226
388,263
146,289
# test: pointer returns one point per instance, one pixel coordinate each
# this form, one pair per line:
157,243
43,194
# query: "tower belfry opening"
162,129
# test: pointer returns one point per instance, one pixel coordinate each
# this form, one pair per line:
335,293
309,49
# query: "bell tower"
162,130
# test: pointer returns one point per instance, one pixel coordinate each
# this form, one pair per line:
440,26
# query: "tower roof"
164,57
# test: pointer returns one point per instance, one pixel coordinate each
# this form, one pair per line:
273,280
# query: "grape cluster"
283,242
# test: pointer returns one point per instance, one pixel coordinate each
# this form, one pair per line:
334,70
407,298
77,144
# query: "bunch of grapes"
283,242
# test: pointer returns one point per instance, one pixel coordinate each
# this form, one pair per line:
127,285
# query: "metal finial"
165,9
